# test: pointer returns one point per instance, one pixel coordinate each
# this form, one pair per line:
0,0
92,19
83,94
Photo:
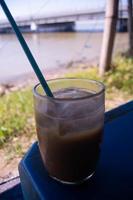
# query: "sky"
25,8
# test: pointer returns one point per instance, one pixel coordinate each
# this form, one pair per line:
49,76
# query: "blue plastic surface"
113,179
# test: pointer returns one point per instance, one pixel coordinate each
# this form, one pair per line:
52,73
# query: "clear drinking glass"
70,127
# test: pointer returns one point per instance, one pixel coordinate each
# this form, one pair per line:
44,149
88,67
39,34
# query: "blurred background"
58,33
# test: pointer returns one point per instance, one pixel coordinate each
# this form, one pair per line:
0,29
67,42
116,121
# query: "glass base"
73,183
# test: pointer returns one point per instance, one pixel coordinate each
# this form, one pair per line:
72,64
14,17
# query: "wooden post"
108,35
130,26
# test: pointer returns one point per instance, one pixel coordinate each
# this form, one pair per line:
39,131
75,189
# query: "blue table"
113,179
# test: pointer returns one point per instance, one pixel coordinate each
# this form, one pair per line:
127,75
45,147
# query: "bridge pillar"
33,26
122,25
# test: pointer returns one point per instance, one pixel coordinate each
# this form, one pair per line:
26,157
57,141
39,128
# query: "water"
51,50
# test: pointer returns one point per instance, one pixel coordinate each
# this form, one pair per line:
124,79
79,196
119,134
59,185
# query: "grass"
16,108
120,78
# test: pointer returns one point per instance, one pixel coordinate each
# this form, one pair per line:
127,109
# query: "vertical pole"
130,25
108,35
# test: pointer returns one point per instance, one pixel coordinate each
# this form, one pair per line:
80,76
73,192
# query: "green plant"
119,78
15,109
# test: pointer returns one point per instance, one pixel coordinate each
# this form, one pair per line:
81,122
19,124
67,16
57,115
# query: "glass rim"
102,86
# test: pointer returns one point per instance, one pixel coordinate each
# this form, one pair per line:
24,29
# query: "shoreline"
21,81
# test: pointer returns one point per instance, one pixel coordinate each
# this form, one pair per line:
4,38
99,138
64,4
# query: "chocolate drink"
69,135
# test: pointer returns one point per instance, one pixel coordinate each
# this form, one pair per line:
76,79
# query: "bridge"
35,22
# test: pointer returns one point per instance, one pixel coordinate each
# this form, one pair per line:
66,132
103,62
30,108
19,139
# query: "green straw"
26,49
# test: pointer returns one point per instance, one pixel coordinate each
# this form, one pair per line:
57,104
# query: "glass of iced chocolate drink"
70,127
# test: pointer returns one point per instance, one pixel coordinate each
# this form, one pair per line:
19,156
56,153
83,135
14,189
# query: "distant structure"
62,21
